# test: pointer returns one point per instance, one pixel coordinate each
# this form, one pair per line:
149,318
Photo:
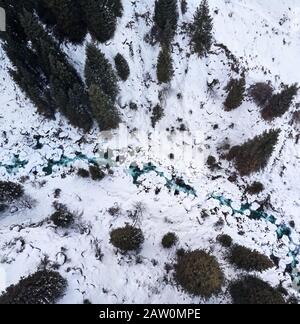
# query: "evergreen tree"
103,109
254,154
280,103
166,19
116,7
101,18
236,93
65,17
66,88
165,65
201,30
99,71
122,67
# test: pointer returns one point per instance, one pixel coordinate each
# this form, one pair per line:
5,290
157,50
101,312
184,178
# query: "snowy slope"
265,37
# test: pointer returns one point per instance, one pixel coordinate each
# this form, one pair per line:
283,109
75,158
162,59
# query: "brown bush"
249,260
255,188
43,287
199,273
169,240
127,238
252,290
225,240
96,173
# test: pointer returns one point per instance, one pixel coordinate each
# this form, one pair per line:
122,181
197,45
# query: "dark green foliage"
254,154
99,72
127,238
10,191
122,67
43,72
225,240
261,93
62,217
280,103
255,188
166,19
157,115
199,273
165,69
201,30
83,173
169,240
212,163
103,109
254,291
236,93
66,18
43,287
249,260
183,6
101,17
96,173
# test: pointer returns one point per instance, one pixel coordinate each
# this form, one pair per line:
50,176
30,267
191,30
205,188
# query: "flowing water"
178,185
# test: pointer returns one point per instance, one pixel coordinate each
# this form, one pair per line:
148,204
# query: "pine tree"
280,103
201,30
236,93
254,155
122,67
99,71
101,18
166,19
103,109
66,88
116,7
65,17
165,65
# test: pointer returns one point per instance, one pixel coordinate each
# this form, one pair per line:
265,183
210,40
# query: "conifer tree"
166,19
254,155
236,93
65,17
62,78
201,30
101,18
165,65
103,109
99,71
122,67
280,103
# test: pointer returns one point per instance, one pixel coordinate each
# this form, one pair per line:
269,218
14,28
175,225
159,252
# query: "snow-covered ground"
265,38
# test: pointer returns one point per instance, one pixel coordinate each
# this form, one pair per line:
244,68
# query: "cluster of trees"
102,87
43,71
70,20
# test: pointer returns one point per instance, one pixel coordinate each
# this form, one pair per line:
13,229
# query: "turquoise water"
178,185
174,183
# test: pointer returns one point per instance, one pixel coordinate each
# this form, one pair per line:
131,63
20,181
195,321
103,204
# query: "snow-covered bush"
127,238
10,191
62,216
199,273
249,260
252,290
96,173
225,240
169,240
43,287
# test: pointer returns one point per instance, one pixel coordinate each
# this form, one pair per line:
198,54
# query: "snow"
253,33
